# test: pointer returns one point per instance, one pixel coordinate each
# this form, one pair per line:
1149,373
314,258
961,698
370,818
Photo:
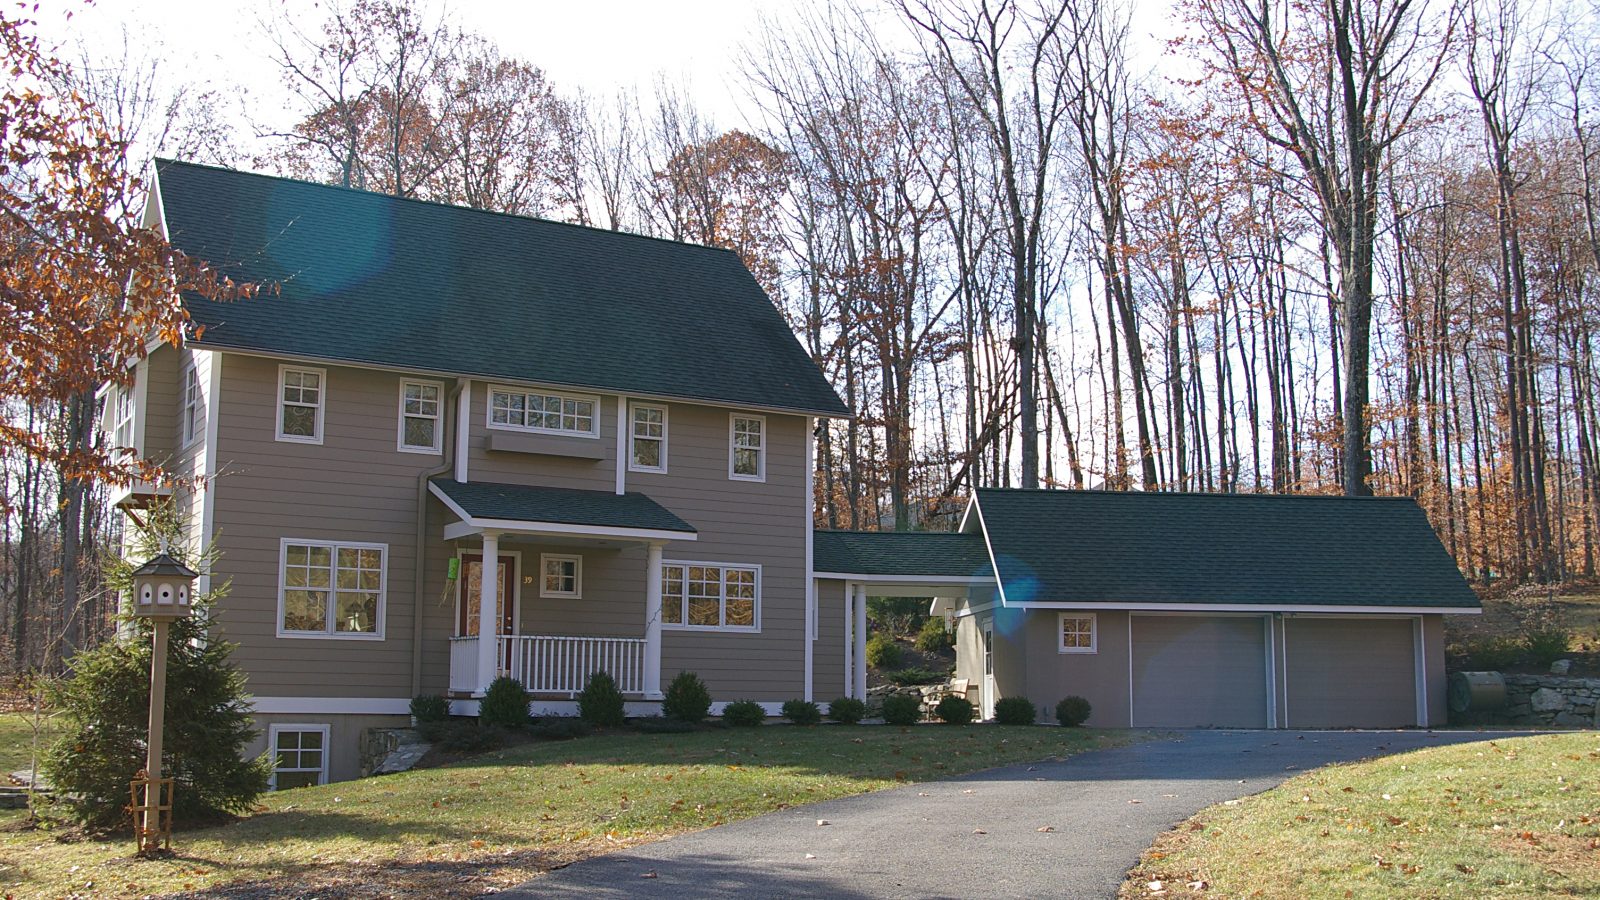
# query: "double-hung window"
189,415
299,755
302,398
419,416
1077,633
561,575
543,411
331,589
122,418
747,448
699,596
649,436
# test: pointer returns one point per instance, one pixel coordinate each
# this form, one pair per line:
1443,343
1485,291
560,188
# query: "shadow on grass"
704,875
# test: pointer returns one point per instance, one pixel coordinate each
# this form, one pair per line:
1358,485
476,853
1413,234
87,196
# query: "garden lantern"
162,591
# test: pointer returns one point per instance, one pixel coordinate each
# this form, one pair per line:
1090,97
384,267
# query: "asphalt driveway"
1062,829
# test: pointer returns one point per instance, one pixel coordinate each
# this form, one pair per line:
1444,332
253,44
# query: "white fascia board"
1261,608
948,580
974,510
366,706
512,381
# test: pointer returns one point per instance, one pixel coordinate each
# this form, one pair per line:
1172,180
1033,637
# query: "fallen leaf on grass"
1045,829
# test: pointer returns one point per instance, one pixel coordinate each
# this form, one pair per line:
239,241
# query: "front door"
988,671
470,586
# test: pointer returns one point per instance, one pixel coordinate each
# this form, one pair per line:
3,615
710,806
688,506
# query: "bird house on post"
162,588
162,592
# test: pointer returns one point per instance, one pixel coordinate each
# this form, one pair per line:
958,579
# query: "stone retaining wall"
1550,700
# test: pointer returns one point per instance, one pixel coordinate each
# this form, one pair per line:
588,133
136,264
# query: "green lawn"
16,742
503,817
1514,818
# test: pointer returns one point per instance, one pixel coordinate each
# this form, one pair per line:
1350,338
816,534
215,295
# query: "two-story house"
623,426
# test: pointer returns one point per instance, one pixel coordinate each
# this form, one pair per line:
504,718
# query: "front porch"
558,665
598,536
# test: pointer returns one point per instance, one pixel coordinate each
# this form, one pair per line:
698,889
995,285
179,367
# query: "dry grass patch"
1514,818
495,820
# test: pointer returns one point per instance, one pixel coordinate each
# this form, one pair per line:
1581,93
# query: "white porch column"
652,623
488,612
849,642
861,642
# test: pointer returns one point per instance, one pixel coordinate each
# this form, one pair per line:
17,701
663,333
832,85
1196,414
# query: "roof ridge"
1201,494
160,161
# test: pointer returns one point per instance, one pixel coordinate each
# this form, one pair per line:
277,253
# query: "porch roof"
490,506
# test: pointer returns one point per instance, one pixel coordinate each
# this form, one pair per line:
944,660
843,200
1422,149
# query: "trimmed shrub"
906,677
934,637
744,713
600,704
687,699
429,708
802,712
504,704
560,728
900,709
847,710
1014,711
883,652
1072,711
1548,645
953,710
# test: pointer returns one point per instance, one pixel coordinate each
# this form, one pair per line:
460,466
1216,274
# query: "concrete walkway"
1064,829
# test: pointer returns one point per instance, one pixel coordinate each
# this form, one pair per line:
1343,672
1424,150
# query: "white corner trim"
208,454
807,523
983,529
463,429
624,444
331,706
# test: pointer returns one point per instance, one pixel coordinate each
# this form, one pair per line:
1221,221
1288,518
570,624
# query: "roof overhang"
1259,608
470,526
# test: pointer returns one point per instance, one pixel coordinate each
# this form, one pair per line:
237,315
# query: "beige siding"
354,486
739,522
159,415
827,661
1100,677
1433,668
344,737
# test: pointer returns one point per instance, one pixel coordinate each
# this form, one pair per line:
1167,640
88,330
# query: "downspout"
420,563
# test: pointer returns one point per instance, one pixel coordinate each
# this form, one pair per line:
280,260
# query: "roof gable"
1103,547
373,279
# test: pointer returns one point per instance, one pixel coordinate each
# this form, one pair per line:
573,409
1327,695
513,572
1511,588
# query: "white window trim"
488,411
577,582
665,433
438,419
761,454
334,546
1094,632
120,394
685,626
272,748
188,428
322,406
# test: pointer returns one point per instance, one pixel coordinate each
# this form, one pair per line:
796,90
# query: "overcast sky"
596,45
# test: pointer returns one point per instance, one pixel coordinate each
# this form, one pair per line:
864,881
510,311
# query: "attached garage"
1199,671
1351,672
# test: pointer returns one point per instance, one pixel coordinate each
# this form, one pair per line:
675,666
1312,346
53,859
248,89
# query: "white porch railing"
464,665
553,664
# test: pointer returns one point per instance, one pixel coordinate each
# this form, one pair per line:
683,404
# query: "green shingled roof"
1271,550
369,278
564,506
894,553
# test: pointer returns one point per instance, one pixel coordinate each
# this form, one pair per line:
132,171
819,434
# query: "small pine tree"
105,704
600,704
687,699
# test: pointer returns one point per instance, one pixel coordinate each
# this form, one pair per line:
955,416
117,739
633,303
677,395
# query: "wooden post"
151,834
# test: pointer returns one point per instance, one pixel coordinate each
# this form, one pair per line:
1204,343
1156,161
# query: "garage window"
1077,633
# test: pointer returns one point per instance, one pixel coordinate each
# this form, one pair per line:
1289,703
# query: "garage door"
1350,673
1197,672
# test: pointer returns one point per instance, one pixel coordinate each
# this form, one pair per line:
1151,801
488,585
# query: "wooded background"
1328,246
